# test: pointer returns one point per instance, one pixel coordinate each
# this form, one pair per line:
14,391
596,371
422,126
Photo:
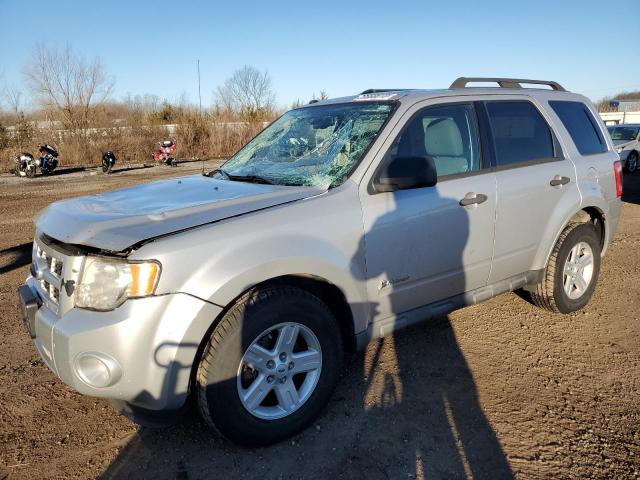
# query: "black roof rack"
382,90
505,82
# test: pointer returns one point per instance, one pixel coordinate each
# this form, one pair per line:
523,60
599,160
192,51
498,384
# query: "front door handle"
473,199
558,181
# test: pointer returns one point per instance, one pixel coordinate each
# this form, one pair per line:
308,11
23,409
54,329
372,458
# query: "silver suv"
341,222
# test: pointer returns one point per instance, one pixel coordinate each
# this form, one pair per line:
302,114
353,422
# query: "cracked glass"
314,146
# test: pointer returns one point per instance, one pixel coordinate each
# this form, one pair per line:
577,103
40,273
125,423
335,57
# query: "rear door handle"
473,199
558,181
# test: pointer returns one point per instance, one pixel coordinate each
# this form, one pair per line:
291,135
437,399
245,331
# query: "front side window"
447,133
520,133
622,133
581,125
314,146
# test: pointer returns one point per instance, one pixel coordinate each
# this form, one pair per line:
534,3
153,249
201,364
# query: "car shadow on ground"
408,407
15,257
631,188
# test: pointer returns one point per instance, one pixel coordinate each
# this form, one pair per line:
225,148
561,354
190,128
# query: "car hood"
121,218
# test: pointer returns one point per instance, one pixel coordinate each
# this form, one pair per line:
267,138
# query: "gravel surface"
497,390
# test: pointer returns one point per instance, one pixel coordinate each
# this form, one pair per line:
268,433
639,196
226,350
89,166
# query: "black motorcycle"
26,165
48,158
108,161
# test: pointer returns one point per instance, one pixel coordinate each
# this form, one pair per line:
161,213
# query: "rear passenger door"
533,177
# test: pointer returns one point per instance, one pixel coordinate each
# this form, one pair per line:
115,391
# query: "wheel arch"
586,214
333,297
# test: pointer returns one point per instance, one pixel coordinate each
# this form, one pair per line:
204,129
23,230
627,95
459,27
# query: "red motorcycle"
164,154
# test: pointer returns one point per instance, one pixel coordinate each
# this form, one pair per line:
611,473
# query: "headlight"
106,283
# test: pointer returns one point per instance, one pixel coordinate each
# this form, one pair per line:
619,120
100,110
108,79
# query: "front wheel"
572,270
270,366
632,162
106,167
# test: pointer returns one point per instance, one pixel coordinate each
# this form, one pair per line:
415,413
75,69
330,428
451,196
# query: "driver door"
422,245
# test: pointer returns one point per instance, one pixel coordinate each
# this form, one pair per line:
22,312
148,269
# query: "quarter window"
520,133
448,134
581,125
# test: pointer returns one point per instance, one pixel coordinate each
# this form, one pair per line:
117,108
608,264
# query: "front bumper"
148,346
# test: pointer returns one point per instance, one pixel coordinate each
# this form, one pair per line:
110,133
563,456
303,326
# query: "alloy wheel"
279,371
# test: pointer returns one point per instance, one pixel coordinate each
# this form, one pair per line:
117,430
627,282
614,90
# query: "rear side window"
520,133
581,125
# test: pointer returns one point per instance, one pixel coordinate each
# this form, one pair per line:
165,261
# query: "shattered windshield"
623,133
315,146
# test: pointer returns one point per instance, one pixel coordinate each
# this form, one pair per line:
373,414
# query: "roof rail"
382,90
505,82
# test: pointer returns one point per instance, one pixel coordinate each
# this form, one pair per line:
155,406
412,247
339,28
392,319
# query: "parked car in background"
341,222
626,139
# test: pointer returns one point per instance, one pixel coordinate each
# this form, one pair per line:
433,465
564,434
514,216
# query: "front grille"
55,270
49,267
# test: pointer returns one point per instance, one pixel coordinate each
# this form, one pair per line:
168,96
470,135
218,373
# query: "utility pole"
199,96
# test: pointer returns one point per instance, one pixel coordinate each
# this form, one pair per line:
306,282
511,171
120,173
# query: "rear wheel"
572,271
632,162
270,366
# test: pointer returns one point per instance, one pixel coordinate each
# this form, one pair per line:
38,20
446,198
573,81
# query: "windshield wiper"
250,179
240,178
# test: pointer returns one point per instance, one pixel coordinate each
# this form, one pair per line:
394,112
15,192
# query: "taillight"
617,171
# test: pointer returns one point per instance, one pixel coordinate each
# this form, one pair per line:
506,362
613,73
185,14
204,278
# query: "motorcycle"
165,153
48,158
26,165
108,161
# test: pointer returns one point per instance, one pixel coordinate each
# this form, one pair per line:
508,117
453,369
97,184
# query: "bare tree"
247,92
13,99
65,83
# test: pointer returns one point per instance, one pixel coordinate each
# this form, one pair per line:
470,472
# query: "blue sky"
340,46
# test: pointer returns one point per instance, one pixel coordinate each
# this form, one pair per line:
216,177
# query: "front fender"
314,237
237,271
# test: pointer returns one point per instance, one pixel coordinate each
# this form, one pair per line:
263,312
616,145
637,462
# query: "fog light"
97,369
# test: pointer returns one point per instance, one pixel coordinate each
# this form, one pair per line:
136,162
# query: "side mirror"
403,173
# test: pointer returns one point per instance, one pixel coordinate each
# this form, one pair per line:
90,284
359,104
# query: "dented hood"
119,219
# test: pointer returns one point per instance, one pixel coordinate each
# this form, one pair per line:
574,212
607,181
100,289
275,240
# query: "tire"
632,162
551,293
221,371
106,167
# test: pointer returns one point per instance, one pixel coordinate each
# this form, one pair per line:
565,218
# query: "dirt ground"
492,391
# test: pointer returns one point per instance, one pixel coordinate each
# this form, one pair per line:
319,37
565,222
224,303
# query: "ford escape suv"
341,222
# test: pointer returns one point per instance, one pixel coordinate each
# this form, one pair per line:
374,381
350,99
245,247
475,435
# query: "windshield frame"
395,103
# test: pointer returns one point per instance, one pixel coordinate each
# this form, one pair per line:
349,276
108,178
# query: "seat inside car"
443,143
